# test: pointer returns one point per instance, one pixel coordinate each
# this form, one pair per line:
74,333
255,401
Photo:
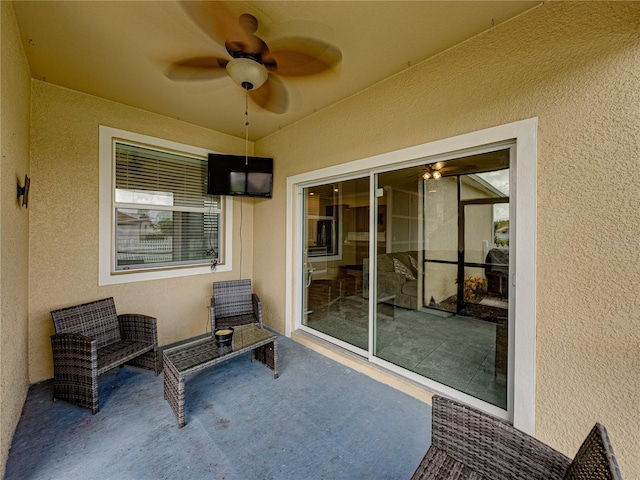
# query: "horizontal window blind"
144,169
163,216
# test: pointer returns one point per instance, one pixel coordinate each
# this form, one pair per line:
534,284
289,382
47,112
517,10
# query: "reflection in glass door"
336,245
442,295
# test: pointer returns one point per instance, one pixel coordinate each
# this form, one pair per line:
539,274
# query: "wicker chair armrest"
141,328
73,346
257,308
595,459
491,446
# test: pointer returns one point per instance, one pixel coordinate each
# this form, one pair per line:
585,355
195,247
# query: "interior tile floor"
454,350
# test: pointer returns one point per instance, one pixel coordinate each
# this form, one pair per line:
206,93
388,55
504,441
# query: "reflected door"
336,248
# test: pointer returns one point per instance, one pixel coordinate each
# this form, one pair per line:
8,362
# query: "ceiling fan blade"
213,18
300,56
271,96
197,68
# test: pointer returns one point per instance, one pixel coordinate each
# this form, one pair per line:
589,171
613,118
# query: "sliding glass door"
335,248
421,283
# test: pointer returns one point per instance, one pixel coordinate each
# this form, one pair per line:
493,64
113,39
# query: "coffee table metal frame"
191,357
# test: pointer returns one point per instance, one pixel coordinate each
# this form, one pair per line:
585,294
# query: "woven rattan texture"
200,354
120,352
75,370
96,320
221,322
438,465
267,354
233,304
79,359
489,446
595,459
148,361
144,329
469,444
174,391
232,297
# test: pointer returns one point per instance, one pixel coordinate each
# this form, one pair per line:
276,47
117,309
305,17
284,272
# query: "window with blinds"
163,216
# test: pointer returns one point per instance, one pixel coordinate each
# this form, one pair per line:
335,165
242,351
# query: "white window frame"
523,192
107,275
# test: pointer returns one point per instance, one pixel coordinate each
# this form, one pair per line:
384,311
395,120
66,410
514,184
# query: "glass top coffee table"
203,353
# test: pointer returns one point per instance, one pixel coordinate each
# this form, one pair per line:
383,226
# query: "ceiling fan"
442,169
252,64
479,163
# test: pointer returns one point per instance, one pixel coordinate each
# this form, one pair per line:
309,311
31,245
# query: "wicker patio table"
194,356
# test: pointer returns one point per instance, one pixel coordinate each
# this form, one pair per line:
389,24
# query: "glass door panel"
432,278
399,327
336,236
483,300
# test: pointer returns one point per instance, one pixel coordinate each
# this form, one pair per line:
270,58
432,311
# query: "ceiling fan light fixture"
437,175
247,73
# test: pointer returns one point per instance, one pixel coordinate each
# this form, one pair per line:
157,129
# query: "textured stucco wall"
14,228
575,66
64,220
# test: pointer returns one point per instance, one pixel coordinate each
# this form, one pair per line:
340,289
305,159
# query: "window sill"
157,274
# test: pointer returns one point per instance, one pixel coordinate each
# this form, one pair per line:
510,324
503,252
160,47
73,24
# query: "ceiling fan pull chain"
246,127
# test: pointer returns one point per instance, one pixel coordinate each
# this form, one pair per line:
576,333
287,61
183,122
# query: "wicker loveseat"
397,284
469,444
92,338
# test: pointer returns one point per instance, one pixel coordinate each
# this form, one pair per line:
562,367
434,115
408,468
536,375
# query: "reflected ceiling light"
433,171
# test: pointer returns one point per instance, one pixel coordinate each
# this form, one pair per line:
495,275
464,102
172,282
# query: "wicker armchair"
92,338
468,444
234,304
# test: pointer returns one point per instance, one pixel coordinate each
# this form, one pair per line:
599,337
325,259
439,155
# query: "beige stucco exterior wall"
15,99
575,67
64,220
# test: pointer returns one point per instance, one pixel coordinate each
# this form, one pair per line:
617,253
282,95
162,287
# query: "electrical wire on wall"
214,263
246,127
240,270
246,162
211,250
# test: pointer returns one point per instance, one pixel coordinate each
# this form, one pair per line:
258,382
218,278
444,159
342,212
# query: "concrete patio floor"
319,420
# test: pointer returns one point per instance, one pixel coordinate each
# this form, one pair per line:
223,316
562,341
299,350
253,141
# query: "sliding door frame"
521,137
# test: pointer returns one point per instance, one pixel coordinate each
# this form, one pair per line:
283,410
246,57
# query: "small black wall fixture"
24,191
